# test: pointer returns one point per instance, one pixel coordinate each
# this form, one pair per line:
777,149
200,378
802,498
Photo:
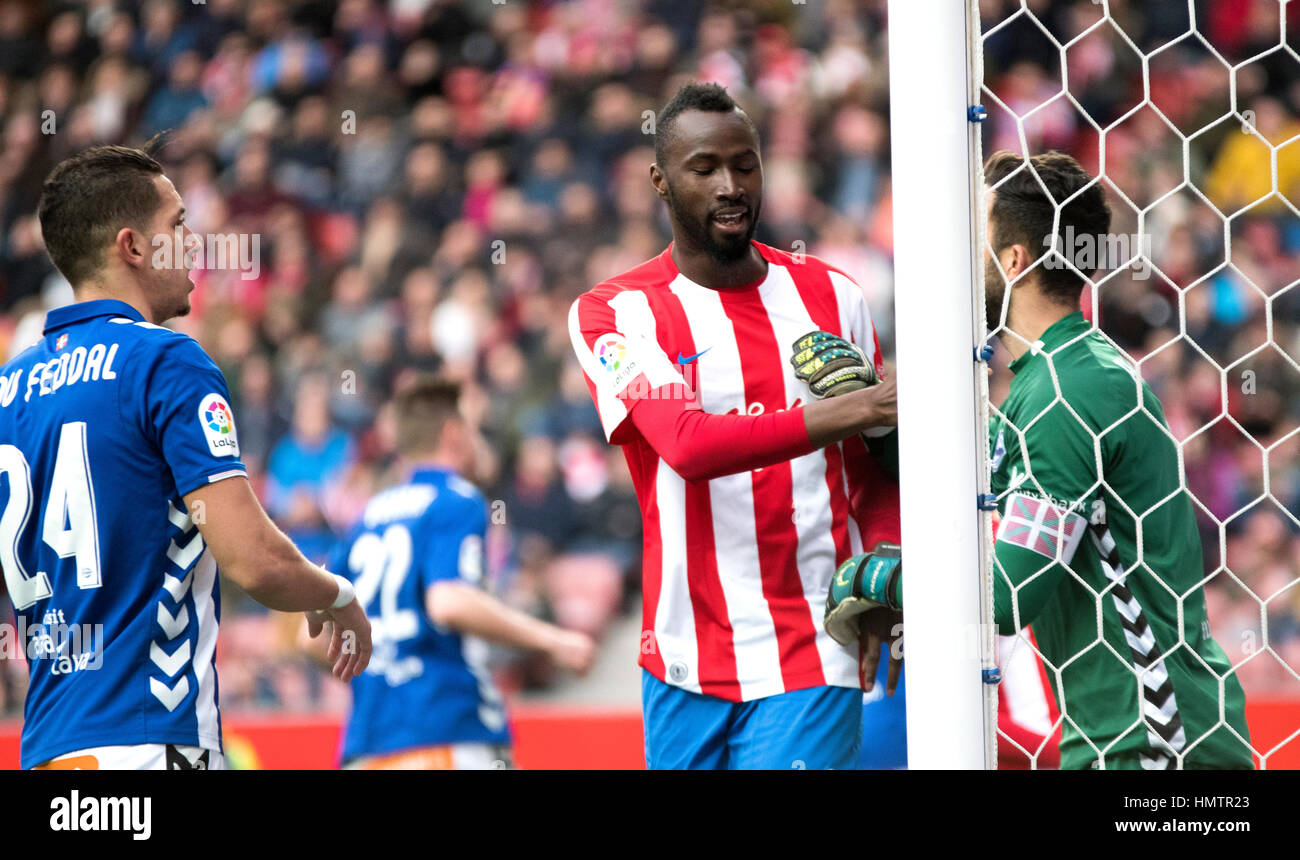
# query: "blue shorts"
884,724
812,729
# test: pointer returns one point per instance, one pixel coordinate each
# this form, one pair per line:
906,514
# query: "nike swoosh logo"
681,359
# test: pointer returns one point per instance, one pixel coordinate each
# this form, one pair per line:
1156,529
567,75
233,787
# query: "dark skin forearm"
836,418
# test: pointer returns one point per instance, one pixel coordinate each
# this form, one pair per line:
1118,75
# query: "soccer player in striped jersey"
1097,544
416,557
742,475
122,493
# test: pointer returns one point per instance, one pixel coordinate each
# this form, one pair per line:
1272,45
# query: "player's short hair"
88,197
1022,214
421,410
693,96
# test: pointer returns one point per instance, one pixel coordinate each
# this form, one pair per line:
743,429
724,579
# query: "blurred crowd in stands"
432,182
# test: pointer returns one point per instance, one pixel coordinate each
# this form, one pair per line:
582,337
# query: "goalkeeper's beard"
995,288
697,231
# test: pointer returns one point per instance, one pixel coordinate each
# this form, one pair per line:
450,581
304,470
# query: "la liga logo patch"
217,414
618,360
218,423
612,352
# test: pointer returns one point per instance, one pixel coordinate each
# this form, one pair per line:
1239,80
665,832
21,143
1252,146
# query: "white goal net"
1165,512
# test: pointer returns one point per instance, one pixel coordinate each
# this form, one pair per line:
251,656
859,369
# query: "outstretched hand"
350,642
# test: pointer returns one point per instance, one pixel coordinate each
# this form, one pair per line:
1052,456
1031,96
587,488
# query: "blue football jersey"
425,686
104,426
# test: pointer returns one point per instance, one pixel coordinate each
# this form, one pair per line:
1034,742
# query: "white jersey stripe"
855,324
205,649
791,320
719,370
757,651
674,616
758,655
179,518
855,319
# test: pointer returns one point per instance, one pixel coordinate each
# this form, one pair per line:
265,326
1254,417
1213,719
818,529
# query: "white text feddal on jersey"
76,365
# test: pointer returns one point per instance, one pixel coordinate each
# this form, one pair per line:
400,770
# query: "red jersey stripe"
761,360
713,632
818,295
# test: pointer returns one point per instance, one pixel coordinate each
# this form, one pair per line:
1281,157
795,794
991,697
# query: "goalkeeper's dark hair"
694,96
1022,214
421,410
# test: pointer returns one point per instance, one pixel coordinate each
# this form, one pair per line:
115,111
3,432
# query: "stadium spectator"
304,467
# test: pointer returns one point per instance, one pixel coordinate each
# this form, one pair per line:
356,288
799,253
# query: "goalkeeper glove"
862,583
830,365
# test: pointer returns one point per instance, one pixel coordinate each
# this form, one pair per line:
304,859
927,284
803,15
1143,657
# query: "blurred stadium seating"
434,181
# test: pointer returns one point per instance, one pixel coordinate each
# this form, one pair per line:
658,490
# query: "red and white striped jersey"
736,568
1027,715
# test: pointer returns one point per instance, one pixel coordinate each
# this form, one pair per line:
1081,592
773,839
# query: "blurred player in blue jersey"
416,559
122,493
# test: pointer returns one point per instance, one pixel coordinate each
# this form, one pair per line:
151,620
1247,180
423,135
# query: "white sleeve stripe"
634,319
612,411
221,476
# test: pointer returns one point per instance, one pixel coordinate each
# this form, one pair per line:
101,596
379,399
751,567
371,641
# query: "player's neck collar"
1063,329
428,467
667,260
1059,332
79,311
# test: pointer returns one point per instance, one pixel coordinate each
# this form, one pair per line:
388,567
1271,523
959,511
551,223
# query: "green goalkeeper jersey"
1097,548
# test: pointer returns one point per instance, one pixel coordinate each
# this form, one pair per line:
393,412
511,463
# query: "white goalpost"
951,711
